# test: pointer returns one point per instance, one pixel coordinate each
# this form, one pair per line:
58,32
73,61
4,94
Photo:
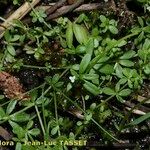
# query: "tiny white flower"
72,78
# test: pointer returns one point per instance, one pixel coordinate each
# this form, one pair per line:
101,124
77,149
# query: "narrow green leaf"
17,129
18,146
125,92
84,63
128,55
63,42
140,37
91,88
11,50
118,70
90,46
108,91
30,124
90,76
11,106
140,119
20,117
7,35
119,98
34,131
141,22
126,63
2,113
146,44
121,43
80,33
69,34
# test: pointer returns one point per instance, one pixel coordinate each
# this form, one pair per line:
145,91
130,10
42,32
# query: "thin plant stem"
40,120
56,113
45,68
36,108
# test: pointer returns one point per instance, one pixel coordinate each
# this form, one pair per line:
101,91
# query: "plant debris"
11,87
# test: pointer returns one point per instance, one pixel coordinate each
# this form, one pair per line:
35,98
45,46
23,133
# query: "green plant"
87,67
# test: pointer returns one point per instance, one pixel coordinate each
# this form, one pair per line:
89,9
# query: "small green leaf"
11,50
139,120
7,35
147,69
69,34
30,124
34,131
79,123
74,73
90,46
126,63
11,106
93,106
15,38
80,33
55,78
141,22
18,146
140,37
17,129
108,91
63,42
125,92
88,116
119,98
107,69
20,117
81,49
54,130
2,113
91,88
128,55
90,76
113,29
2,97
118,69
103,18
69,86
121,43
84,63
123,80
146,44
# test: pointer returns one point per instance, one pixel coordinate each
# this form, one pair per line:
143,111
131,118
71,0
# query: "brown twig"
65,11
18,14
5,134
55,7
84,7
141,109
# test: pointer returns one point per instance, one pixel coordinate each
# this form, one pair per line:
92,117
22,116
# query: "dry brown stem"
18,14
65,11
